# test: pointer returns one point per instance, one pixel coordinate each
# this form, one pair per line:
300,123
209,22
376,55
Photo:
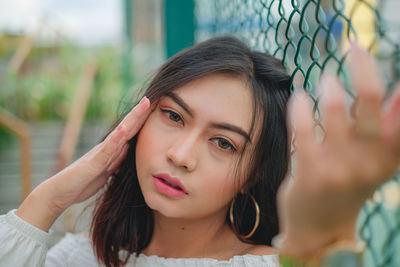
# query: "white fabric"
22,244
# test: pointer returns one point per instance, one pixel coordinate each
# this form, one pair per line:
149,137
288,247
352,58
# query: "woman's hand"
334,177
83,178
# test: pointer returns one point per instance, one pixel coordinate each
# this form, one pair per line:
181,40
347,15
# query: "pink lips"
168,185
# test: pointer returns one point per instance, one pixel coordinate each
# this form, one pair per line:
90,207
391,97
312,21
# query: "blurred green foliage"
5,138
44,87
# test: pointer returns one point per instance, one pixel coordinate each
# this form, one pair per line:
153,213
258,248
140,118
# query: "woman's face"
193,139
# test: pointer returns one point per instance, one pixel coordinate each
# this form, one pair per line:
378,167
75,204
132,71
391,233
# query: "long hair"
123,221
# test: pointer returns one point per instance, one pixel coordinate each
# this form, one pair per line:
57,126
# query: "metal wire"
312,37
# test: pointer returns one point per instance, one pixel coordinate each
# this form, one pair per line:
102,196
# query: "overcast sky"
82,21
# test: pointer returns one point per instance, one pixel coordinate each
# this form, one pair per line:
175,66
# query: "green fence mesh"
312,37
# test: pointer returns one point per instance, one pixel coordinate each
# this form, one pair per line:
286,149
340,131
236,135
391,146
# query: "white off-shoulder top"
22,244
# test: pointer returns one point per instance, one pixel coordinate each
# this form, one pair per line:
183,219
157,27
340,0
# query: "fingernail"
356,51
353,44
319,87
355,48
296,98
300,94
142,100
325,90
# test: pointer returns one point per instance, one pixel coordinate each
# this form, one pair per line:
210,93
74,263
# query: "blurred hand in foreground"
334,177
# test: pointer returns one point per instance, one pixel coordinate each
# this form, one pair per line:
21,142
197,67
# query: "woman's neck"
208,237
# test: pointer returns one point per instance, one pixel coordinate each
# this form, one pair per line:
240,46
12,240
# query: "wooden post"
73,128
21,130
20,55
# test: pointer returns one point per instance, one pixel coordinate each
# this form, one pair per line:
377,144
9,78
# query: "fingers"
112,146
134,120
369,88
108,150
300,113
392,107
391,121
333,107
120,158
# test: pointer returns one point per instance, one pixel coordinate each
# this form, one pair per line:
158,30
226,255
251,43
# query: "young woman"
191,174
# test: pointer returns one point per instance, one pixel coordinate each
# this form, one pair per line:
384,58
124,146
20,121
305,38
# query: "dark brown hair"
123,221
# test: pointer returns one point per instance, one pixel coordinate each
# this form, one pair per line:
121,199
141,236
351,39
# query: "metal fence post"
128,45
179,22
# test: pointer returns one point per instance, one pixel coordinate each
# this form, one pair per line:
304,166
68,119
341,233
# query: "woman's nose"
182,153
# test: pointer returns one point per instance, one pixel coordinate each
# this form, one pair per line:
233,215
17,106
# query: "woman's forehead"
218,96
225,90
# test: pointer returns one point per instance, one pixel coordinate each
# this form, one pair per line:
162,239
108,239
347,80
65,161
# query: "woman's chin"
163,208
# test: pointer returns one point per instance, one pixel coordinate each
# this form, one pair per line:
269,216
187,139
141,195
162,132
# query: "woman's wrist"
342,252
302,239
38,209
305,248
302,243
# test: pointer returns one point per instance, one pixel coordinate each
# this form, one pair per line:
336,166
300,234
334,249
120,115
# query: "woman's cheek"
154,135
145,140
221,181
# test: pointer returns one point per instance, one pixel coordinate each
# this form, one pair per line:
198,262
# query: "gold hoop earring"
257,218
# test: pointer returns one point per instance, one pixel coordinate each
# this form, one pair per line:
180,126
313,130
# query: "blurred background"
68,69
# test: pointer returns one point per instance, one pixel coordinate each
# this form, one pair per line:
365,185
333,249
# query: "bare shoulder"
260,250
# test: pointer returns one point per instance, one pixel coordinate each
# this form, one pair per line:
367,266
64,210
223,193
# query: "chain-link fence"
312,37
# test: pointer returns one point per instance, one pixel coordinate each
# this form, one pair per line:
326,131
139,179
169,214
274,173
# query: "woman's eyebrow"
180,102
233,128
224,126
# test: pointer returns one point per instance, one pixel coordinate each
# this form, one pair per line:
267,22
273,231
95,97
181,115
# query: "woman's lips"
168,185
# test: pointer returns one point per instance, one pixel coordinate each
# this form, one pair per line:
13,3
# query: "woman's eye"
224,144
173,116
